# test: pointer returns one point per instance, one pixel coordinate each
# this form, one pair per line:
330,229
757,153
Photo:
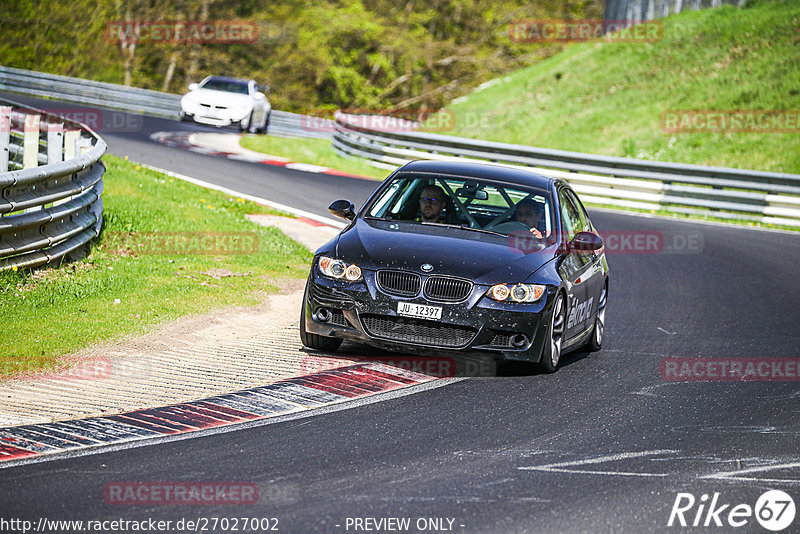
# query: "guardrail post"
71,139
5,136
55,143
83,146
30,143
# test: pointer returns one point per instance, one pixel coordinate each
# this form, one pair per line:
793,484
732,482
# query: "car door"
576,267
595,276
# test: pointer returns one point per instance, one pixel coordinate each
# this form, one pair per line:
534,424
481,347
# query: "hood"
484,258
211,96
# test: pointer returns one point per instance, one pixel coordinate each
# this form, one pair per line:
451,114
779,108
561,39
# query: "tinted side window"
570,217
582,215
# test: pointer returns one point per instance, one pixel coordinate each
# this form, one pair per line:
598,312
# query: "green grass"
608,98
125,286
314,151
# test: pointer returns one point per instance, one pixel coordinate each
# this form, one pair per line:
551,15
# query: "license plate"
420,311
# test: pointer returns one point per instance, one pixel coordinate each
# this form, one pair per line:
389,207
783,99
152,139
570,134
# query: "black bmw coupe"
452,257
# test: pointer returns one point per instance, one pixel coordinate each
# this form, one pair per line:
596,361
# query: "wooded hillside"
326,54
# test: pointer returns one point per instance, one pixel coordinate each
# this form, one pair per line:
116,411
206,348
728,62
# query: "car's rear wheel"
552,349
596,339
315,341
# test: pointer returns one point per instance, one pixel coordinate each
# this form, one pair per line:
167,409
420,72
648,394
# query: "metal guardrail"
286,124
772,198
139,101
767,197
51,181
107,95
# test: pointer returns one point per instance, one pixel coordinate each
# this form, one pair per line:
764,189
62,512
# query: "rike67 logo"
774,510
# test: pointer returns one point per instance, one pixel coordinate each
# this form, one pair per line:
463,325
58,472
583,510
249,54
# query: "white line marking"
560,467
246,157
258,200
307,167
734,475
648,391
666,332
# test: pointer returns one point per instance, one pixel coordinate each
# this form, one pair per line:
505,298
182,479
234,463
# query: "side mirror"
193,86
344,209
586,242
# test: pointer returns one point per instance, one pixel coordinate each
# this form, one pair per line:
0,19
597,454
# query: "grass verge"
609,98
313,151
169,249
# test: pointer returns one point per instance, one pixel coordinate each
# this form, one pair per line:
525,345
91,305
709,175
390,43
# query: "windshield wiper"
464,227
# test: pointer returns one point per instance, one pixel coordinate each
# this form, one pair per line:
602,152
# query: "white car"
221,101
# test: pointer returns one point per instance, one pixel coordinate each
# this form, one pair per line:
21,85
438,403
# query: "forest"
380,55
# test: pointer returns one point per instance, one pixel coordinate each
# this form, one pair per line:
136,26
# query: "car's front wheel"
244,124
552,349
315,341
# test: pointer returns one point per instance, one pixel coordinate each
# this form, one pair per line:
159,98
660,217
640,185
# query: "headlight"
339,270
516,292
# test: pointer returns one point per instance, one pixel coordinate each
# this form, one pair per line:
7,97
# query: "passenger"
531,214
432,201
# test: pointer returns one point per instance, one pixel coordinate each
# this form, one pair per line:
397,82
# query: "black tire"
316,341
596,339
551,353
244,124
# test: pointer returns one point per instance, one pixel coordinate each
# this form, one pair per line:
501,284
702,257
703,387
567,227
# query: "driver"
530,213
432,200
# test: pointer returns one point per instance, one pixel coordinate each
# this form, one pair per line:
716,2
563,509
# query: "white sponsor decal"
580,313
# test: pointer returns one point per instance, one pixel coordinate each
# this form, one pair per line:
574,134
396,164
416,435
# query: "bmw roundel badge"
427,267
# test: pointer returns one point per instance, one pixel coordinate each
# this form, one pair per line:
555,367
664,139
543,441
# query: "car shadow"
449,366
511,368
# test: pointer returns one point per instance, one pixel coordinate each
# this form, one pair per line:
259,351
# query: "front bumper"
214,116
363,313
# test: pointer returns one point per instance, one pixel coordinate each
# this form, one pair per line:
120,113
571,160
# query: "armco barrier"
135,100
767,197
51,179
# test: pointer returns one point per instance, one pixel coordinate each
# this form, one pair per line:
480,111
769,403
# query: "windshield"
229,86
472,203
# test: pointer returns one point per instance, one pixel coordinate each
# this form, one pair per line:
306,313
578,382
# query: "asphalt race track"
605,444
